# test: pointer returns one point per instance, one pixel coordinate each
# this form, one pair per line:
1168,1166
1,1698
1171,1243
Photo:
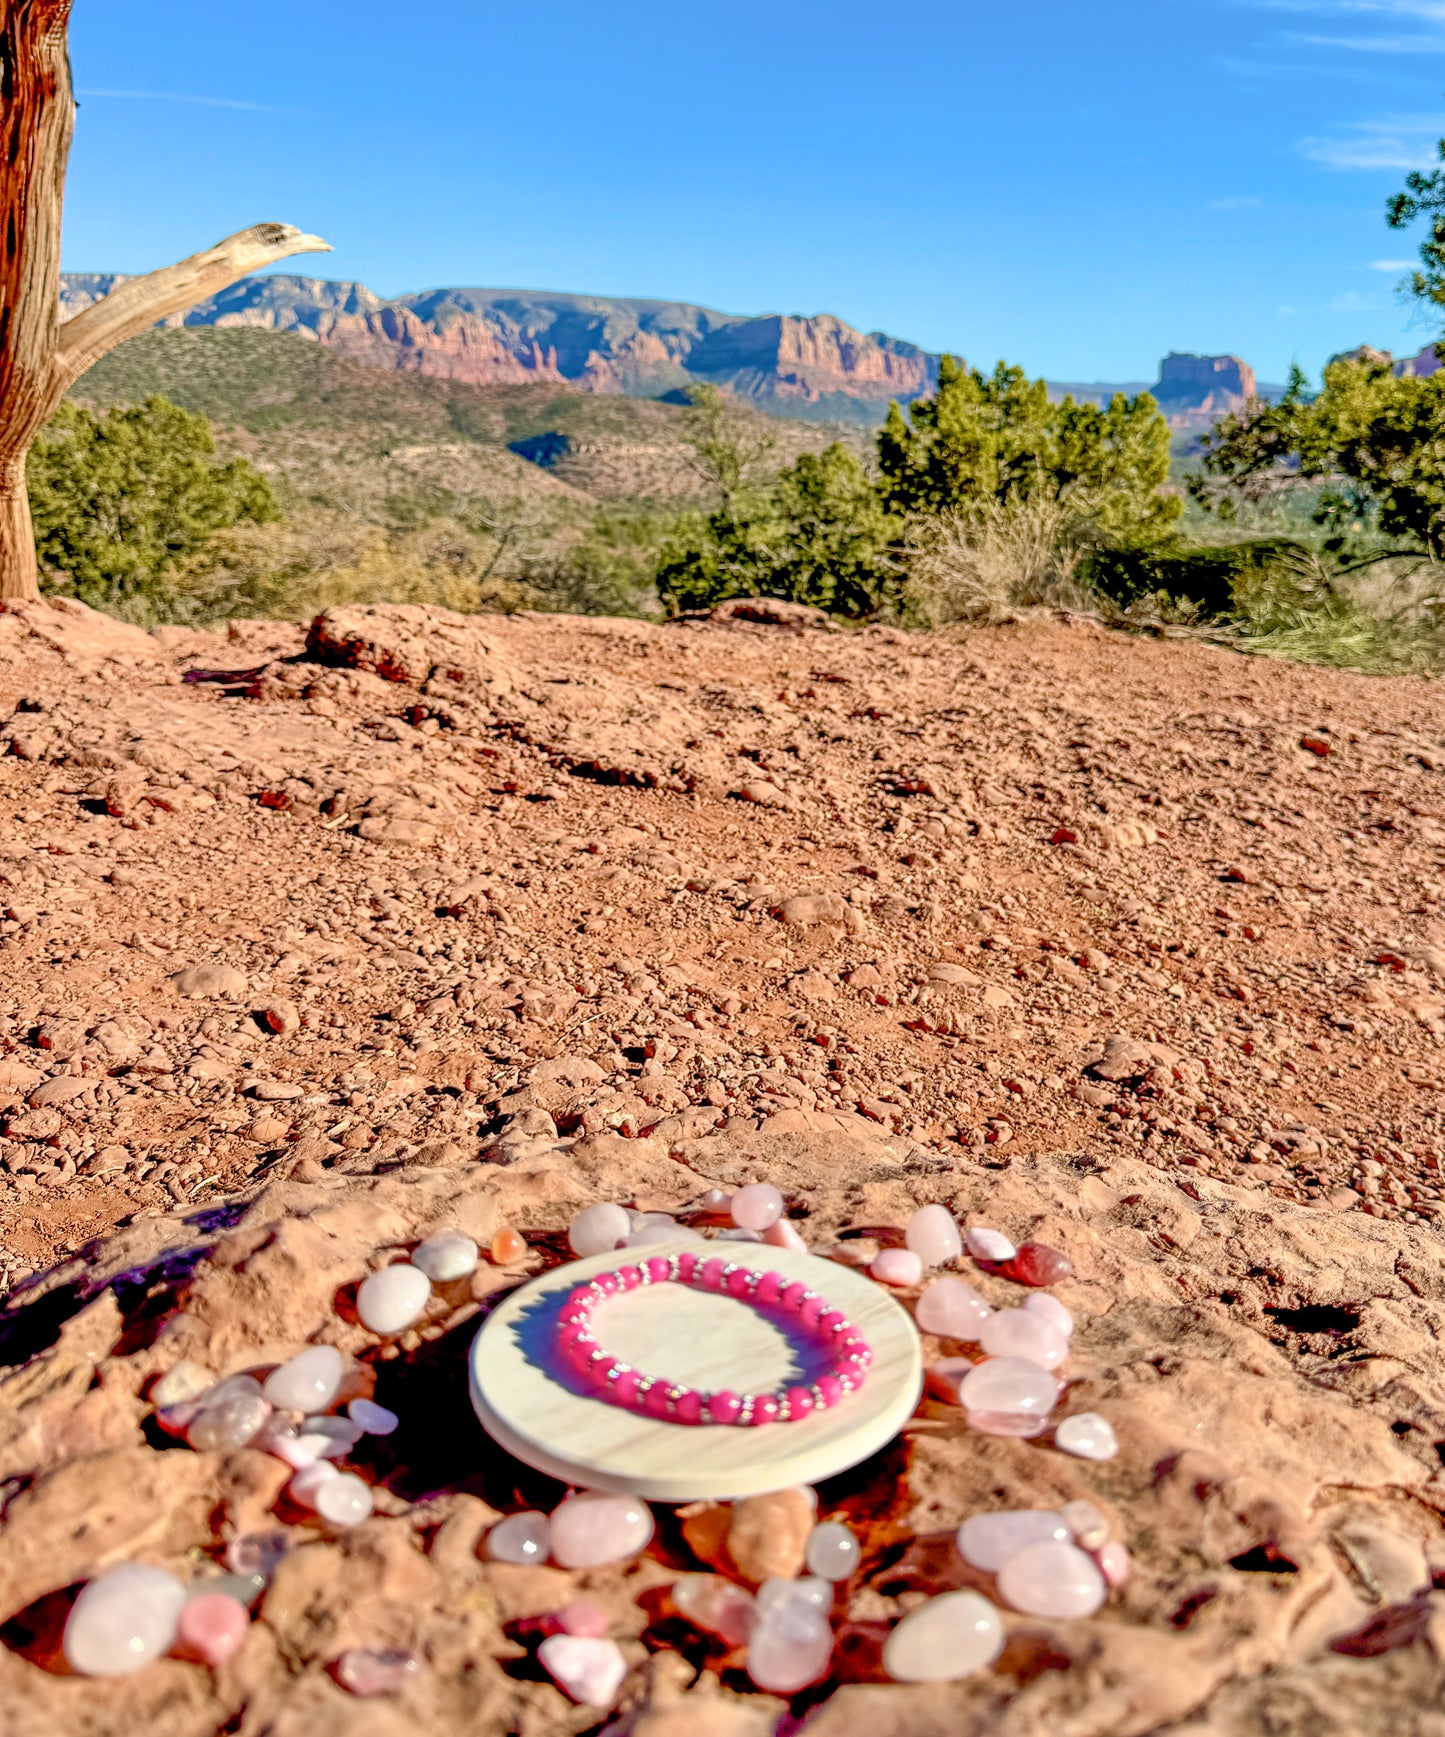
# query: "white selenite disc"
531,1406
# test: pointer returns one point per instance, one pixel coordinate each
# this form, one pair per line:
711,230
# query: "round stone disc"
531,1405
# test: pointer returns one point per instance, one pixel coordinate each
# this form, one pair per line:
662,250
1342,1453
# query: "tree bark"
40,359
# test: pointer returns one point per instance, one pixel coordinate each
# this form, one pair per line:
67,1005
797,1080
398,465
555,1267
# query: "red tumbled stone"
1036,1264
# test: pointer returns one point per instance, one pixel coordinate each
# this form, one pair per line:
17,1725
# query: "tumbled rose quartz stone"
812,1592
1025,1424
210,1627
328,1438
390,1300
507,1247
952,1309
593,1528
833,1552
1009,1384
368,1671
949,1637
308,1382
306,1486
520,1538
581,1616
257,1553
715,1605
230,1414
1113,1560
122,1620
790,1647
372,1418
1050,1309
598,1229
1038,1264
187,1380
717,1201
782,1235
757,1206
933,1235
445,1256
1087,1436
1088,1524
896,1266
344,1500
988,1540
988,1245
1052,1579
587,1668
1016,1333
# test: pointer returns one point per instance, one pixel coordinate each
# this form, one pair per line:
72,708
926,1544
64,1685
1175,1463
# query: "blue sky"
1076,185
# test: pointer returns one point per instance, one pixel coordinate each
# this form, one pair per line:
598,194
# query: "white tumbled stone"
598,1229
988,1540
988,1245
446,1255
833,1552
520,1538
307,1382
589,1668
1052,1311
389,1301
1052,1579
933,1235
594,1527
950,1636
344,1500
122,1620
187,1380
374,1419
1087,1436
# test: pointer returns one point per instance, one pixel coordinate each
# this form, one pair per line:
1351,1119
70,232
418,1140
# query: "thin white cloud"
1374,44
1392,265
169,96
1433,10
1391,142
1244,202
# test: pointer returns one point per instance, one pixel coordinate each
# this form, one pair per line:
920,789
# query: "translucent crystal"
308,1382
520,1538
122,1620
1088,1524
390,1300
374,1419
329,1438
716,1605
257,1553
896,1266
369,1671
1052,1311
988,1245
833,1552
1114,1562
445,1256
1017,1333
210,1627
757,1206
952,1309
1038,1264
1052,1579
988,1540
586,1667
812,1592
1087,1436
306,1486
950,1636
508,1247
186,1381
1009,1384
230,1414
344,1500
933,1235
789,1648
593,1528
598,1229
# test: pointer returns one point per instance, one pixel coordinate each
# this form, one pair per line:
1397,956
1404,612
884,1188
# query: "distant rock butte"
1194,390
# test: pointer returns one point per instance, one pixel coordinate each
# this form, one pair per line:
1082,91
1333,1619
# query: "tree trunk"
40,359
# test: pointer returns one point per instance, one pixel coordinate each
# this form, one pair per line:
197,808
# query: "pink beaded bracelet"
839,1346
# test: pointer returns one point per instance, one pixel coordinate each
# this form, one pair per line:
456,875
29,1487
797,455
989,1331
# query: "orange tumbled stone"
507,1247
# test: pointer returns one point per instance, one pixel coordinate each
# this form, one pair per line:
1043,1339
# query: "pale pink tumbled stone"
988,1245
952,1309
896,1266
780,1234
1051,1310
790,1649
310,1480
593,1528
344,1500
988,1540
210,1627
757,1206
368,1671
520,1538
716,1605
1018,1423
586,1667
187,1380
1009,1384
933,1235
582,1616
598,1229
1088,1523
1114,1562
1087,1436
949,1637
122,1620
1052,1579
308,1382
1016,1333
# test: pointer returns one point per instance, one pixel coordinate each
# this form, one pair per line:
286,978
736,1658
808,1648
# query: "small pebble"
1051,1310
520,1538
657,1227
1087,1436
582,1616
952,1309
1113,1560
593,1527
374,1419
950,1636
1052,1579
781,1234
257,1553
187,1380
1017,1333
789,1648
122,1620
307,1485
933,1235
586,1667
897,1266
716,1605
210,1627
1038,1264
1009,1384
344,1500
833,1552
1088,1524
598,1229
508,1247
718,1202
328,1438
988,1245
445,1256
988,1540
230,1414
812,1592
757,1206
392,1299
368,1671
308,1382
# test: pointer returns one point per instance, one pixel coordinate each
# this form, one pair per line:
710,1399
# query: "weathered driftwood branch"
41,358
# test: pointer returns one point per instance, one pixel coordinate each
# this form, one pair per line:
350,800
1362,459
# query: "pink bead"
689,1408
625,1387
687,1265
897,1266
737,1284
711,1273
629,1278
659,1269
791,1295
606,1282
757,1206
1114,1563
599,1370
657,1404
800,1401
830,1391
582,1616
810,1309
210,1627
724,1407
765,1409
832,1320
769,1289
